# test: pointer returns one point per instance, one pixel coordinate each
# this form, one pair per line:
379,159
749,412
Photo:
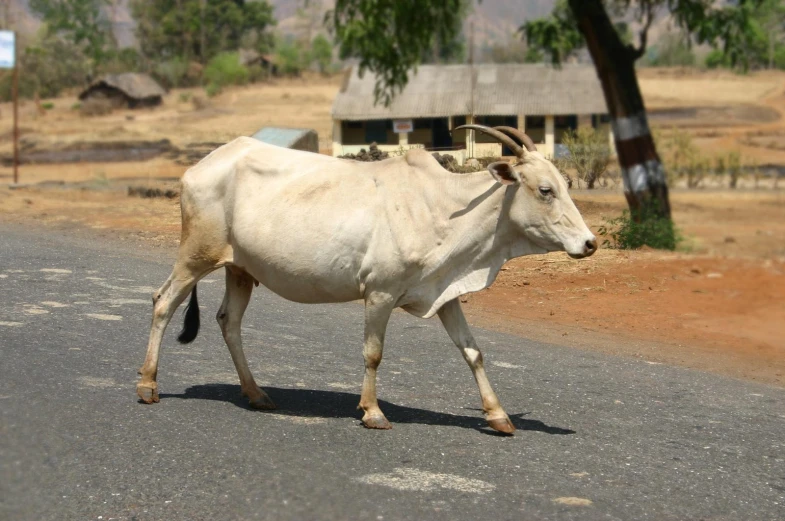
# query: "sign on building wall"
7,51
403,126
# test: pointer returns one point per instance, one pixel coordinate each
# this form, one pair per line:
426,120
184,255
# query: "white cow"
402,232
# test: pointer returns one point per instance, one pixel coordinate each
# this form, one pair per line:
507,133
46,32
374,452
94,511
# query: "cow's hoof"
503,425
148,392
376,422
263,402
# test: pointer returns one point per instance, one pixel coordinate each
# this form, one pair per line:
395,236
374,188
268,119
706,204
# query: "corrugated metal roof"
500,90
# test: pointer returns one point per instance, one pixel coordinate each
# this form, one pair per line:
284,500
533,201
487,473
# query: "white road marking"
573,501
337,385
55,270
11,324
132,289
424,481
506,365
103,317
298,420
92,381
36,311
3,276
53,304
125,301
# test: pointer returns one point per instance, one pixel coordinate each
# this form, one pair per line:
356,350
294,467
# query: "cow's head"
540,207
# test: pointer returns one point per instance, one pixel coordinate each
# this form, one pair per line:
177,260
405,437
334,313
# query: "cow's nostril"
591,246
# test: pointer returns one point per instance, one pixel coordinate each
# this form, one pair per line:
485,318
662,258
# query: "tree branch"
648,12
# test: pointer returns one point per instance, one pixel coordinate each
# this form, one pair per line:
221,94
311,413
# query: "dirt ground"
717,304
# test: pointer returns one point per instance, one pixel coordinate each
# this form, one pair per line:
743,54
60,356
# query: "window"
376,131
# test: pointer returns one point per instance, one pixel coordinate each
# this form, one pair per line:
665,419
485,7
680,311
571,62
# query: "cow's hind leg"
377,313
165,302
454,322
239,286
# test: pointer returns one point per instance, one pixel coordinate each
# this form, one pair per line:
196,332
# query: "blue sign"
7,50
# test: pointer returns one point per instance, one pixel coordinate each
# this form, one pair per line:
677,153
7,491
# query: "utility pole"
16,112
9,60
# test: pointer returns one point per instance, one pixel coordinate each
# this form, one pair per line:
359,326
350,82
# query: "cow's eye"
545,191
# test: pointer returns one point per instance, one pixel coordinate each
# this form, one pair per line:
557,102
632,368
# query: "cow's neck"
478,237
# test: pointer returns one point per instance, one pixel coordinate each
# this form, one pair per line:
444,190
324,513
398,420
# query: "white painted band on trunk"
630,127
638,178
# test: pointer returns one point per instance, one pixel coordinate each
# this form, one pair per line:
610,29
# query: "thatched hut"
132,90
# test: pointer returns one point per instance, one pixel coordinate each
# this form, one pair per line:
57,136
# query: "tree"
388,36
514,51
79,22
322,53
391,36
201,29
642,170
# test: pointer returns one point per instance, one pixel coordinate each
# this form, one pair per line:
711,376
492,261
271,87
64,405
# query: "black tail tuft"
191,323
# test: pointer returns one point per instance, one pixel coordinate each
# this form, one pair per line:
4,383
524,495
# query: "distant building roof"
134,85
500,90
297,138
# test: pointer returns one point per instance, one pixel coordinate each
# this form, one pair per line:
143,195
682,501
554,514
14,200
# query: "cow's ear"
504,173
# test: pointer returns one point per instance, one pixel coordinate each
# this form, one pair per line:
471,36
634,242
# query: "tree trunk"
641,168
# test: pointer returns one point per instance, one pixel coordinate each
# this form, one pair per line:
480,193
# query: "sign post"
8,61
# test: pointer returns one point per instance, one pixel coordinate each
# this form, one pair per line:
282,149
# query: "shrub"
47,105
628,233
212,90
172,73
590,154
224,69
290,58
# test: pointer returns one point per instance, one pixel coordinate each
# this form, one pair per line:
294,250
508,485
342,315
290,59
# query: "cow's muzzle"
589,247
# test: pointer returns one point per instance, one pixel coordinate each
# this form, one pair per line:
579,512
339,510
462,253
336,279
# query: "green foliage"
290,57
168,29
390,36
48,105
223,70
646,229
212,89
557,35
672,50
590,154
79,22
514,51
321,53
716,59
729,25
172,73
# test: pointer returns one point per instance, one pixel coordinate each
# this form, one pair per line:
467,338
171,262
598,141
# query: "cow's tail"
191,322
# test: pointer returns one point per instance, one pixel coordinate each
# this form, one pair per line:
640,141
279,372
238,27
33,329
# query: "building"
539,99
130,89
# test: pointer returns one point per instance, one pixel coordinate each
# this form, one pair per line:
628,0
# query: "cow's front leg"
378,308
454,322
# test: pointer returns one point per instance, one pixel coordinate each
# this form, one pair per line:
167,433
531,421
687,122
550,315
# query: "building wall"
545,131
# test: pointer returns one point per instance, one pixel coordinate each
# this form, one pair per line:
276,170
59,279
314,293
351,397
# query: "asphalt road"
599,437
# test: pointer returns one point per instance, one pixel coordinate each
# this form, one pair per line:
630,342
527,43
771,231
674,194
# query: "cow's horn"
503,138
523,138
